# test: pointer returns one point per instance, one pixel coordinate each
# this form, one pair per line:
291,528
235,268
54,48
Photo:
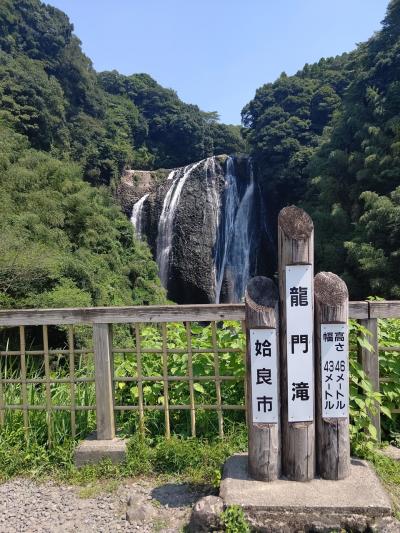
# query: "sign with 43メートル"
299,345
334,371
264,375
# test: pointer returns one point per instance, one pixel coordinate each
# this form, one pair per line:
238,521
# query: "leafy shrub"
228,335
234,520
363,400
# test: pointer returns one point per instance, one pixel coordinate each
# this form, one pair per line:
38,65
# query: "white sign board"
300,354
264,375
334,371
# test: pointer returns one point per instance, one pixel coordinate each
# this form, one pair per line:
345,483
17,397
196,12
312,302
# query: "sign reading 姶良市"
334,371
300,354
264,375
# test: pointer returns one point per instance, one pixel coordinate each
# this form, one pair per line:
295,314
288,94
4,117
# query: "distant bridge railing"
96,373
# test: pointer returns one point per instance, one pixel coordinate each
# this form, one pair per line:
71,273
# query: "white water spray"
166,222
136,217
232,251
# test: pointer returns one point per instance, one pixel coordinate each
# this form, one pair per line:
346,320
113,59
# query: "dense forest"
66,134
328,138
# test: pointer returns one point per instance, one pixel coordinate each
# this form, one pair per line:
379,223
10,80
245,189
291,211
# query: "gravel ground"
47,507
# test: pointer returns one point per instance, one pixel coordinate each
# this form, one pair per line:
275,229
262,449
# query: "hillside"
328,138
66,134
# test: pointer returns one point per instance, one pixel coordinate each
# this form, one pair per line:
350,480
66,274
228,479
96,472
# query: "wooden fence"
102,320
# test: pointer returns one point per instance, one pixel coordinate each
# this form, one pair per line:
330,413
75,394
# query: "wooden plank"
262,311
139,378
104,382
47,381
384,309
72,377
166,313
122,315
332,434
162,378
370,363
18,407
295,246
190,375
24,391
172,407
358,310
2,410
217,380
243,324
165,380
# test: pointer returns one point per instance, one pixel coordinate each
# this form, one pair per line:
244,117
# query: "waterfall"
217,253
136,217
233,246
166,222
212,215
239,253
230,203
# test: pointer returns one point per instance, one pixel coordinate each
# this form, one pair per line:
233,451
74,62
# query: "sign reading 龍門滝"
299,330
264,375
334,370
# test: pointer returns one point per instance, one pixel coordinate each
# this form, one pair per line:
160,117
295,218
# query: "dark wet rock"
196,229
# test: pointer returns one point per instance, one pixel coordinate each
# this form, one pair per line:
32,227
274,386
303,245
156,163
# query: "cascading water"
232,250
213,249
213,214
239,253
230,204
136,217
166,222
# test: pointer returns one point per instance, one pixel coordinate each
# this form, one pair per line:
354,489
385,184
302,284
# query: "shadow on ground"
177,494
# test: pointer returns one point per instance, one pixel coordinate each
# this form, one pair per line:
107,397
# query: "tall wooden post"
369,360
296,247
262,366
332,380
102,346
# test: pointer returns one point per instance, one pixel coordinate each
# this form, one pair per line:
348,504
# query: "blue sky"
216,53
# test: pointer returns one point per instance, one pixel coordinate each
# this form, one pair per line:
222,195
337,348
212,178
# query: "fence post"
262,372
102,346
296,247
333,441
370,363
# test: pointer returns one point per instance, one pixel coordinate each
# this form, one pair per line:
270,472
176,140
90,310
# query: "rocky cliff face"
204,225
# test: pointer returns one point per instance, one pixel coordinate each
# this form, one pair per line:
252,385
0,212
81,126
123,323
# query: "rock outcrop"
203,223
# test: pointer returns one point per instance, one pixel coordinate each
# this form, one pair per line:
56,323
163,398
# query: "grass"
195,461
388,471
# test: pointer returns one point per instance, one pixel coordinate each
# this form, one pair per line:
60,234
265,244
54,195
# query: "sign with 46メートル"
334,370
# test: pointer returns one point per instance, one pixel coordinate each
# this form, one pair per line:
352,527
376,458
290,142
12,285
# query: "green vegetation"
181,454
57,427
193,460
234,520
389,473
328,138
64,242
284,124
50,92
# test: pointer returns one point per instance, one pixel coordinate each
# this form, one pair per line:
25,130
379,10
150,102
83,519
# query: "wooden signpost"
297,375
263,379
332,376
295,269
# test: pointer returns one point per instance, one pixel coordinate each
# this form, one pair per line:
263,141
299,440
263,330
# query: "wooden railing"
104,350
